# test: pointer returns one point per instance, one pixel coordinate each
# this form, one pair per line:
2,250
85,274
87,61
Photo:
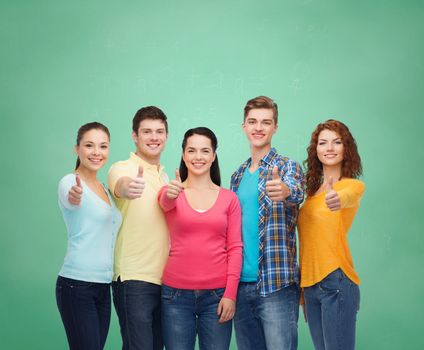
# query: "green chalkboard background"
64,63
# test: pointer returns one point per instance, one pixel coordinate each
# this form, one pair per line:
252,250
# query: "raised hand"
174,186
332,199
136,185
226,309
276,189
75,193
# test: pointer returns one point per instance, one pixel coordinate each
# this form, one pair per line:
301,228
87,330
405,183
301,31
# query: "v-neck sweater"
206,247
92,228
323,234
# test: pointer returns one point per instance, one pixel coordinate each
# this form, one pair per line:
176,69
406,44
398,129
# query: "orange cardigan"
323,234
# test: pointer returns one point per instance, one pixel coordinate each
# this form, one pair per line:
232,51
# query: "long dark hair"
87,127
214,170
351,164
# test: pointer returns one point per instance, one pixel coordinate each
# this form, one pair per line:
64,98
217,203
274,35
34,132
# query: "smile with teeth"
95,160
198,164
153,145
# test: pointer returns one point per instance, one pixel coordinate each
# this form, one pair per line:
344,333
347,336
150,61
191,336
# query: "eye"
321,143
104,147
338,142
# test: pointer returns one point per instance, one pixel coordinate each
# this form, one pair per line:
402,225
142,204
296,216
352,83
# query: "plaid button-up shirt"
277,264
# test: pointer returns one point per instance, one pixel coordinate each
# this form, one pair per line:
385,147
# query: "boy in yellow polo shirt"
142,244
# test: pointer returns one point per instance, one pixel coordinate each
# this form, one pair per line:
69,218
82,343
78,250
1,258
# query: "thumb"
78,180
330,182
219,309
140,171
177,175
275,175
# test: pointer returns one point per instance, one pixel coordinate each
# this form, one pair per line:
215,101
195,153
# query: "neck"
334,171
199,182
256,154
86,174
150,160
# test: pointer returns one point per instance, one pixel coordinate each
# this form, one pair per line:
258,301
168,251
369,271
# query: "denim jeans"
137,304
331,308
186,313
266,322
85,311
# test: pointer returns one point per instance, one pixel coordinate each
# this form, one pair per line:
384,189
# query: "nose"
154,136
258,126
96,150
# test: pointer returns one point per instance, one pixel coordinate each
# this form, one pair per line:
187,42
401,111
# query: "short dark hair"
85,128
214,170
261,102
149,112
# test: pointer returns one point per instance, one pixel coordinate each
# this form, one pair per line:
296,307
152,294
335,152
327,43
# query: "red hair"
351,164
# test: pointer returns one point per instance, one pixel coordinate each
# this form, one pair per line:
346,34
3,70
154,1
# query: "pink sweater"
206,248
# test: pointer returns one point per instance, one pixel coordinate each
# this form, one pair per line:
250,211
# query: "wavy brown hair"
351,164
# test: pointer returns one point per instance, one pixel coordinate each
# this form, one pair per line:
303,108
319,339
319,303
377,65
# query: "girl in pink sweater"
202,273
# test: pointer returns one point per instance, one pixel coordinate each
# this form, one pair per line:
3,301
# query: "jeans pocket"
168,293
218,293
332,282
65,282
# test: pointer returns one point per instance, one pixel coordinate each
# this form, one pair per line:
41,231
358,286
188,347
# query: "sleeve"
116,171
63,189
234,248
293,178
351,195
165,203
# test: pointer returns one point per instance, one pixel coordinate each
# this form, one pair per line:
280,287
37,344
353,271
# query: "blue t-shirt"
248,194
92,228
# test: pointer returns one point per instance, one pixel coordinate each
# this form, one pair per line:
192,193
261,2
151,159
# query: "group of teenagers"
187,258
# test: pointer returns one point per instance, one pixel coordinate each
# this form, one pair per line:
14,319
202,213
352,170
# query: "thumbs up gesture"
332,199
175,186
75,193
136,185
276,189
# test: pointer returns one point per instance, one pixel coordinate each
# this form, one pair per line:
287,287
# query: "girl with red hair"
329,281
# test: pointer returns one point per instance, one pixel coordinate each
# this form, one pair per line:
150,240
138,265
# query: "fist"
276,189
75,193
332,199
136,185
175,186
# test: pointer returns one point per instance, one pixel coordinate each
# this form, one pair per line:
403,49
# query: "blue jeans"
85,311
186,313
137,304
331,308
266,322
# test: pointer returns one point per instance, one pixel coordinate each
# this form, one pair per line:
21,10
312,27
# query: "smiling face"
259,127
150,140
198,155
330,149
93,150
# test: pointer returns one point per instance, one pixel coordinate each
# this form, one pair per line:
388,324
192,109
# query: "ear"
76,149
134,137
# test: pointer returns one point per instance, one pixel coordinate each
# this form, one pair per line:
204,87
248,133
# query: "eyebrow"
150,129
338,138
263,120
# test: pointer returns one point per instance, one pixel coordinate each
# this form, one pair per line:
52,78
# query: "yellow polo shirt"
142,244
